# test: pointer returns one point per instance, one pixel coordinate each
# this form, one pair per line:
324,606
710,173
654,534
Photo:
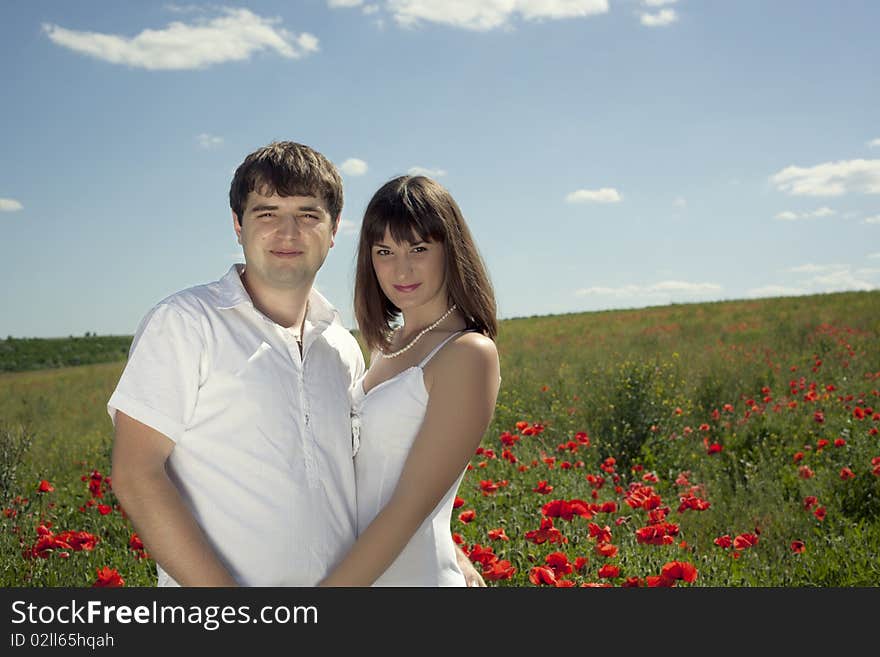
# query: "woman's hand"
472,576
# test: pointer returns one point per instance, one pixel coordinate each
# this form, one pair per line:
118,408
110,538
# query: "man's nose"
289,226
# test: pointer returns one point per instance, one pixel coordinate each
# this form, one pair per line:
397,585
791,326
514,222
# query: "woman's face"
411,275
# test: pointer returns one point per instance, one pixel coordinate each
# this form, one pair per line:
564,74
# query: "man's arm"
162,520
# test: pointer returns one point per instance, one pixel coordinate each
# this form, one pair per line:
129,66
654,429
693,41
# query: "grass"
753,408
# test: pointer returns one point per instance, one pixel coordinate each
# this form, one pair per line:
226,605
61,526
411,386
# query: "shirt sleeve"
160,383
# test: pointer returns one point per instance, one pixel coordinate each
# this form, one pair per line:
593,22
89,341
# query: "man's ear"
335,230
236,226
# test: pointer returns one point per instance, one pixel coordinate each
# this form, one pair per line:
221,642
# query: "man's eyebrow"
263,208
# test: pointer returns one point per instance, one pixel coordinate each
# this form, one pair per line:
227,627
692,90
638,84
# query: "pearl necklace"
394,354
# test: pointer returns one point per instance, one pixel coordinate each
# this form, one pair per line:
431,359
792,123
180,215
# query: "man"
233,453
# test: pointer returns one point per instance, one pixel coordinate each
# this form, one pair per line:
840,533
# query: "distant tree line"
21,354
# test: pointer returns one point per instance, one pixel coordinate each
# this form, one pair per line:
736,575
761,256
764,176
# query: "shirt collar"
232,294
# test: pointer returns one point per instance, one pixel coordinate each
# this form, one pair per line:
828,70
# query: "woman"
429,393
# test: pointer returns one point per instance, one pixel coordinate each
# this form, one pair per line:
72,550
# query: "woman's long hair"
417,208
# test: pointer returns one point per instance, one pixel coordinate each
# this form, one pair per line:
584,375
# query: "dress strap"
440,346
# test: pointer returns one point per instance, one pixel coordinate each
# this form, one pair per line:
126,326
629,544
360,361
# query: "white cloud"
604,195
820,279
347,227
872,220
663,288
776,291
840,281
830,178
788,215
10,205
874,143
874,255
812,269
658,3
661,19
334,4
489,14
422,171
233,36
353,167
208,141
370,9
680,202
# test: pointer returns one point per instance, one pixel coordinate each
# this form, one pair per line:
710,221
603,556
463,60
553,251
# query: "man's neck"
285,307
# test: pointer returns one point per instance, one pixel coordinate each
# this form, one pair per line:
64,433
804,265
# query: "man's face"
285,239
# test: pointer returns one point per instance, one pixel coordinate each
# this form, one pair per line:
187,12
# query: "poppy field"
719,444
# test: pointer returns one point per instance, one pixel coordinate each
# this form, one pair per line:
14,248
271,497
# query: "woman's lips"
406,288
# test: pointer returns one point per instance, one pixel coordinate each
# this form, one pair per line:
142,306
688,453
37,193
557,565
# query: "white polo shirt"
263,446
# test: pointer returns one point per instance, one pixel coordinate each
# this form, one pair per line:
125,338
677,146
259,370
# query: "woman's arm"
463,389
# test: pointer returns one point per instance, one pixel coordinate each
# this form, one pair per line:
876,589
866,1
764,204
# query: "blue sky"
606,153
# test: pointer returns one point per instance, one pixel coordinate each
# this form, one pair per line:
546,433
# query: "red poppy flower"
607,550
458,539
601,534
820,513
135,543
498,534
467,516
488,486
859,413
679,570
483,555
805,472
658,581
45,487
508,439
839,442
810,501
632,582
497,570
458,502
723,541
798,547
846,473
543,487
547,533
541,575
580,564
744,541
559,563
108,577
798,457
565,584
819,417
103,509
609,571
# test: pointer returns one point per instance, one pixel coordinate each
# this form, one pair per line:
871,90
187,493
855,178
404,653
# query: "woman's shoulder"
469,350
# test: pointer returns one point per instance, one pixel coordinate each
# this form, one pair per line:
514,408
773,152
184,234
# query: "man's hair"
288,169
414,209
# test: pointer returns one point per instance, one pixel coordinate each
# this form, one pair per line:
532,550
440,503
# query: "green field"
729,444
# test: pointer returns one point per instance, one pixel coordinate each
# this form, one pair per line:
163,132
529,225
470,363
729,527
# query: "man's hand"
471,575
